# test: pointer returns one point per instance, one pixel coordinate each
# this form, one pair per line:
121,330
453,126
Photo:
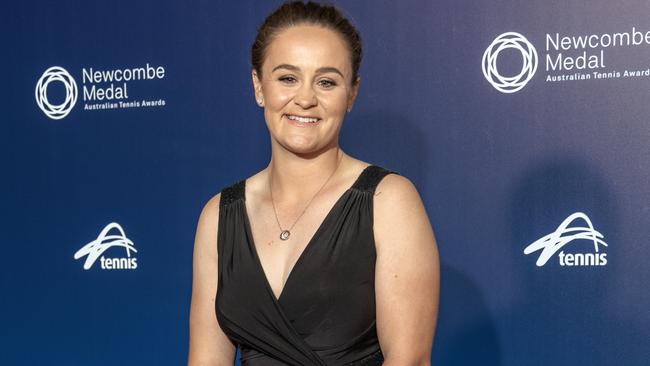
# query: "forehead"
308,47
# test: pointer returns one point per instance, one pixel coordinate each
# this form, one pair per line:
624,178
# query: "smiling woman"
306,267
304,90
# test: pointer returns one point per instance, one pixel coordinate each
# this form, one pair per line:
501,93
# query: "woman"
320,258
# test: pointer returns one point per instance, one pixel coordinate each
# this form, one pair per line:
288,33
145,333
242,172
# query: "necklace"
286,233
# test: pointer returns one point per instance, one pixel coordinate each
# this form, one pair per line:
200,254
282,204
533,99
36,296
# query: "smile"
302,119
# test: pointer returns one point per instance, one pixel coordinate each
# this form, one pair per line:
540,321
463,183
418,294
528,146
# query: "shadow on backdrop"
562,315
403,150
466,333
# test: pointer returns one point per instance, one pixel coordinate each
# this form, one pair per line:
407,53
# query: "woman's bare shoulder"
210,212
397,187
213,203
205,239
397,203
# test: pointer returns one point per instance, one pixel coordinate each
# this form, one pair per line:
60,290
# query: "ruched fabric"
325,314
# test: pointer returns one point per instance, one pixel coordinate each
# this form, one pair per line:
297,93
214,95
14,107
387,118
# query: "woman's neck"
295,178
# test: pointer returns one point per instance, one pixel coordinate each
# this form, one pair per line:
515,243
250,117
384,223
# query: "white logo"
104,241
554,241
56,73
509,84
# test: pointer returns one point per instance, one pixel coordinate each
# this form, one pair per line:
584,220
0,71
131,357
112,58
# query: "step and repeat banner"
524,125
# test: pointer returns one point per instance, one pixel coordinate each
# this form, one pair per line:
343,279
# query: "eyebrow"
320,70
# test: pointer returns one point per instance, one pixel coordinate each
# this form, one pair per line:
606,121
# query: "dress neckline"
310,243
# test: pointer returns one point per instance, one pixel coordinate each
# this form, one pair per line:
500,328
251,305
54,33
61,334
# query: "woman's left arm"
407,274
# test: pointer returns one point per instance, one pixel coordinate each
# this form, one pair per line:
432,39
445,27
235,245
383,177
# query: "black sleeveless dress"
325,314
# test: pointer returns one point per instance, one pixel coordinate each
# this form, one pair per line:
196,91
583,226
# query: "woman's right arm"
209,346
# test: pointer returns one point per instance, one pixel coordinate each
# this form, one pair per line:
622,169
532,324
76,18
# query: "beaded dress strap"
232,193
371,177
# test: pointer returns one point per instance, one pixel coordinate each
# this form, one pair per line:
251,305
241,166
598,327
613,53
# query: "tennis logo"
104,241
56,111
509,84
565,234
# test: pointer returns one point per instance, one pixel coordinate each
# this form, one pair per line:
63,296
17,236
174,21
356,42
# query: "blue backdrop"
496,170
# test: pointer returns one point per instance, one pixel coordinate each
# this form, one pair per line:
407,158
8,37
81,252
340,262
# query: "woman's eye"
287,79
327,84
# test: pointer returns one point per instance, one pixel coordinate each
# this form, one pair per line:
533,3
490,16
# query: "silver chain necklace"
284,234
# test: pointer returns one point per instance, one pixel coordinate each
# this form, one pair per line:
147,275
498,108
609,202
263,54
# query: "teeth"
302,119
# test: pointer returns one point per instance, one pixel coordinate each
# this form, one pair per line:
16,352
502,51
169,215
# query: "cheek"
277,97
336,103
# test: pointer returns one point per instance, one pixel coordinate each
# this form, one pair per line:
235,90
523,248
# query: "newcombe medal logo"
56,74
568,58
98,90
514,83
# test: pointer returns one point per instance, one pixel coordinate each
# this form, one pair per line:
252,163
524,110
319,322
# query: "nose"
305,96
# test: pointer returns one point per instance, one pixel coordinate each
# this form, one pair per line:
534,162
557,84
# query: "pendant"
284,235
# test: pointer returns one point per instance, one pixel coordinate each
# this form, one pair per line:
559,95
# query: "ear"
257,88
353,93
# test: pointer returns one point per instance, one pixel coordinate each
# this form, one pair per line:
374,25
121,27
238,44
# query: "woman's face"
306,87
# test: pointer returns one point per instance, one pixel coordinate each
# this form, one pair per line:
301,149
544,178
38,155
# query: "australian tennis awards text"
113,85
588,52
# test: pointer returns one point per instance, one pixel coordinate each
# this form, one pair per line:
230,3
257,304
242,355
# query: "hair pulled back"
294,13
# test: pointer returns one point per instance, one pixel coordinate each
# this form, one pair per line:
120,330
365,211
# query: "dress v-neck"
325,312
316,234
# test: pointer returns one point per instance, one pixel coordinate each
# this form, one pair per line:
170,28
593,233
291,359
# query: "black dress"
325,314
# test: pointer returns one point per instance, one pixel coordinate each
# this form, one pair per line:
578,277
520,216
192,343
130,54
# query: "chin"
301,146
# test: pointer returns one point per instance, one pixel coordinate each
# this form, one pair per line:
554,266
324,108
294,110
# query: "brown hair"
298,12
